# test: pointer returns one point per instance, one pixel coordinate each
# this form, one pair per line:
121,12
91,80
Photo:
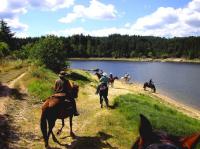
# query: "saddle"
103,87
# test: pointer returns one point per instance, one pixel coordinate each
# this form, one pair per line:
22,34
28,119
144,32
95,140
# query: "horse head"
151,139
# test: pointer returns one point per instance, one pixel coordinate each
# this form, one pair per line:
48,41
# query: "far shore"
177,60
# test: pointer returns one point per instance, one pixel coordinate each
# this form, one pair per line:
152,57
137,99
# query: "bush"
4,49
24,52
50,52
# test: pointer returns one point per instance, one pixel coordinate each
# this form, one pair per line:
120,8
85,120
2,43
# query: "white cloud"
170,22
164,22
51,4
96,10
10,10
16,25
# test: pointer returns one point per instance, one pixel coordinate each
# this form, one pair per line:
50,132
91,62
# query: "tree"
50,52
6,35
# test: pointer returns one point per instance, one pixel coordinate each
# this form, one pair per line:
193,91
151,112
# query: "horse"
103,94
152,139
126,79
150,85
111,80
55,108
99,75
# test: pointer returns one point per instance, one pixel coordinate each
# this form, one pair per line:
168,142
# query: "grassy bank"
183,60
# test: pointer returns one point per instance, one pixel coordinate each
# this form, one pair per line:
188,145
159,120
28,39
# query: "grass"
41,81
126,117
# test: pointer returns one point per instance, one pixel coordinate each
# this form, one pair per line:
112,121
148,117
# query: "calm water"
179,81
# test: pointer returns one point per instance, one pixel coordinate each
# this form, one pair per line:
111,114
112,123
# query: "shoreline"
175,60
183,108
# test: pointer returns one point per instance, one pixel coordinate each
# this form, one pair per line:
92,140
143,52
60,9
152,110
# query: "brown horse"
99,75
111,80
55,108
151,139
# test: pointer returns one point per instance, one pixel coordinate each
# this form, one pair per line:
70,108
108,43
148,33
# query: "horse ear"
145,127
190,141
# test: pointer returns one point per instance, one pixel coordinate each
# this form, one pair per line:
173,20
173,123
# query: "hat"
104,74
62,74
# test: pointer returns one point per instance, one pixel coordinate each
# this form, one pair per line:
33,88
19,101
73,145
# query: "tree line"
114,46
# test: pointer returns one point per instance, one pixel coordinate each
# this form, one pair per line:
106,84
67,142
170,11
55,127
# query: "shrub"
50,52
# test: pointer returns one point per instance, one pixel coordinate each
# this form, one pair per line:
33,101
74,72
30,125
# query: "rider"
150,81
111,79
63,88
104,80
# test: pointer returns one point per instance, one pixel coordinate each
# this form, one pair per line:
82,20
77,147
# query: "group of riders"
63,88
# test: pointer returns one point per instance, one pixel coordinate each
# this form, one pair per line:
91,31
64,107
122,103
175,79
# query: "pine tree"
6,35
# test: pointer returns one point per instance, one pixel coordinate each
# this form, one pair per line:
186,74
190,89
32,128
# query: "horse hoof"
72,135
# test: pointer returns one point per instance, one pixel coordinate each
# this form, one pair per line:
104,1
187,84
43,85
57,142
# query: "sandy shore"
138,88
177,60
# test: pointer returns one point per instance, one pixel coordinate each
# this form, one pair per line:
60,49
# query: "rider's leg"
106,97
74,107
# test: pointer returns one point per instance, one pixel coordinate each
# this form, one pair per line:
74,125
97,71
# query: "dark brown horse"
150,85
99,75
111,80
55,108
151,139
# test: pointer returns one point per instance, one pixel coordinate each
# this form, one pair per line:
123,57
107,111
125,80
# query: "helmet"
104,74
62,74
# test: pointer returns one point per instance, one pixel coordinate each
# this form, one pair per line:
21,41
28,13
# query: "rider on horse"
63,90
150,82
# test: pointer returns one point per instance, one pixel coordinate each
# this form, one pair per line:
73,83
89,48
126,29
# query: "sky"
163,18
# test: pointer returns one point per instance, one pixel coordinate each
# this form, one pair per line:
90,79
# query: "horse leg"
70,123
51,123
101,100
106,101
60,130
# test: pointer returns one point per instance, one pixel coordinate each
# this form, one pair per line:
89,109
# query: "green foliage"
41,83
162,117
4,49
24,53
50,52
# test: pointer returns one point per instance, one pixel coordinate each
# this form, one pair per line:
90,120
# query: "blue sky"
165,18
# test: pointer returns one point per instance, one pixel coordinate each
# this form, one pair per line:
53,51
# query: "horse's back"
62,108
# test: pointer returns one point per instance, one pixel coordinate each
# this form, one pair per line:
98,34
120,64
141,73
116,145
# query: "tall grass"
161,116
41,81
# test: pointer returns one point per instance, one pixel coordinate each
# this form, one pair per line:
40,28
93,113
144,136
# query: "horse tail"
144,86
43,125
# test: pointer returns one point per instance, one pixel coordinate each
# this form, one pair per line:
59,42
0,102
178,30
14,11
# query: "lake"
179,81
